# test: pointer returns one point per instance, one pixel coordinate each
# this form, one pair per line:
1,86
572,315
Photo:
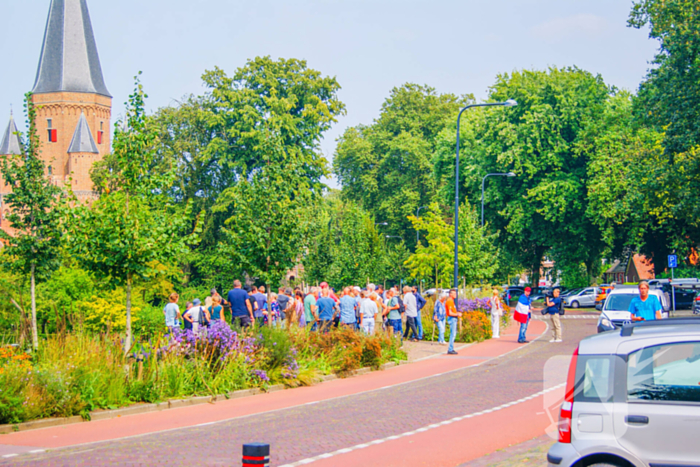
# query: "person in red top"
452,318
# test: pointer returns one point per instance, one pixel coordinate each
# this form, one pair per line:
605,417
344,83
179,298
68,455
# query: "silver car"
582,298
633,398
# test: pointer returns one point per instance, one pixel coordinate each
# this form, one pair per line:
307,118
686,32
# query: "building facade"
73,105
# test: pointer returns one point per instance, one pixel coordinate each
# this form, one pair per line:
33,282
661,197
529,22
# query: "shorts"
242,321
396,324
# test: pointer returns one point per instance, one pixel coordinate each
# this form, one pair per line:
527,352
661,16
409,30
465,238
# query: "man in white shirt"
411,305
368,310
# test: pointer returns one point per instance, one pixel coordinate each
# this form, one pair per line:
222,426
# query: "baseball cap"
528,289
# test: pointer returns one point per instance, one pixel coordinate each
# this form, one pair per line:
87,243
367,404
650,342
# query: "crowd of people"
396,311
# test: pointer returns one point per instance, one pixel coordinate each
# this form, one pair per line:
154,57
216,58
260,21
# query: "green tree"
33,249
544,141
386,167
259,129
434,260
669,96
129,231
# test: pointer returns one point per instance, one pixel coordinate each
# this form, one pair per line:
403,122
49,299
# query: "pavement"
442,410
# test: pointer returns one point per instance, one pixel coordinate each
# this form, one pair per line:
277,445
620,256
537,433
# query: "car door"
587,297
660,420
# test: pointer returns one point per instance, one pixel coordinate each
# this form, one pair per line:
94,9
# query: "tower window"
100,134
53,134
50,170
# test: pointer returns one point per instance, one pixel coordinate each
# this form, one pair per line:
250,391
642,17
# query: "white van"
615,311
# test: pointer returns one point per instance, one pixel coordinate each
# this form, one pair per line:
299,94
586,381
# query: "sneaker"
554,340
558,340
451,352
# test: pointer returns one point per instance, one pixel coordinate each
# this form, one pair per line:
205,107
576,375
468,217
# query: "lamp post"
508,103
393,236
483,182
417,232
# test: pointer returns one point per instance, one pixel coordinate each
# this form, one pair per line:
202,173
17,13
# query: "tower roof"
69,59
10,140
82,138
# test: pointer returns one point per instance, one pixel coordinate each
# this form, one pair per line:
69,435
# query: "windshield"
619,302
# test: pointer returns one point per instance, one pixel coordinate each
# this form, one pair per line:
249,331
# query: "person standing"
496,312
326,311
368,312
439,316
347,308
522,314
310,307
645,307
421,303
260,303
187,324
393,314
411,306
172,312
241,309
299,310
453,318
554,310
197,316
283,300
216,310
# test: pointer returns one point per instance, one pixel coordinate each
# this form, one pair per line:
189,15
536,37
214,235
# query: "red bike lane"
173,419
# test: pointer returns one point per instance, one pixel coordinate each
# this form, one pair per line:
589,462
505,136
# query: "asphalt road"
317,430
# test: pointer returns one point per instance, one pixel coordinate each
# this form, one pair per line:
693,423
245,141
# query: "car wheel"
574,304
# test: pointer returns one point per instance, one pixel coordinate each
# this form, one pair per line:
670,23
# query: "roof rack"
628,329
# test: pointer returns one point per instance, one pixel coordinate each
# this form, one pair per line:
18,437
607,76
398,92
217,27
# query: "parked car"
583,298
685,291
512,294
632,398
615,311
604,291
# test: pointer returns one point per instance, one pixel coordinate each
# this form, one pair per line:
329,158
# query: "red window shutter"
99,136
53,136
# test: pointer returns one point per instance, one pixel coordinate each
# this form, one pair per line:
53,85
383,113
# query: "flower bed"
79,372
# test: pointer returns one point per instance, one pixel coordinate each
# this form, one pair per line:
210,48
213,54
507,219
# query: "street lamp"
483,181
508,103
380,223
393,236
417,232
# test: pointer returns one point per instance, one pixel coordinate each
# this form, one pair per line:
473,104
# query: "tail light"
567,407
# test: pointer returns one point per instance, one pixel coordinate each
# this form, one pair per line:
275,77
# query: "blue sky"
369,46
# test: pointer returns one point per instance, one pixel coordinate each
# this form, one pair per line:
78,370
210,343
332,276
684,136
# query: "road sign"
672,261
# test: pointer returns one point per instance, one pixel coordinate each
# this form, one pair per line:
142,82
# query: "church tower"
10,145
73,105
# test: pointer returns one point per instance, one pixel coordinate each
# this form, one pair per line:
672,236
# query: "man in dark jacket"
421,303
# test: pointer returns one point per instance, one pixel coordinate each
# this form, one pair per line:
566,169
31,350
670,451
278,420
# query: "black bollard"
256,454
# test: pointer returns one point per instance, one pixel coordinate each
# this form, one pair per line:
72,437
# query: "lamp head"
510,103
510,174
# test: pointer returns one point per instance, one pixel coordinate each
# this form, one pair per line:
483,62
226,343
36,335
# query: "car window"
668,372
619,302
587,292
594,379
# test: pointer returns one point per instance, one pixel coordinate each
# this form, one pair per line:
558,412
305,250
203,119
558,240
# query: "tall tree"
386,167
33,248
133,228
542,142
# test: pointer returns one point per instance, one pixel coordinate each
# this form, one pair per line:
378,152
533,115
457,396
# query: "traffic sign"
672,261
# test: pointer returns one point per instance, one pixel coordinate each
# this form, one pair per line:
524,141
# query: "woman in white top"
496,313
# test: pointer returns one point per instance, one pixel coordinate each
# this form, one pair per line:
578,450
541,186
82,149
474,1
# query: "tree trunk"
127,341
35,333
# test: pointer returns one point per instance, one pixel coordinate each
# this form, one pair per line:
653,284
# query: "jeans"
368,326
410,327
453,332
325,325
441,331
495,325
419,326
523,330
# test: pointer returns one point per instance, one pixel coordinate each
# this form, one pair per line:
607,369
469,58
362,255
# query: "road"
444,411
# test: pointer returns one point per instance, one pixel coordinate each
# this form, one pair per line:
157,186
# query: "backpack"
402,309
203,321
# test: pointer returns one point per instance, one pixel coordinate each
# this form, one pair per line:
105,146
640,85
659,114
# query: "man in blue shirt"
261,301
645,307
241,310
326,310
347,308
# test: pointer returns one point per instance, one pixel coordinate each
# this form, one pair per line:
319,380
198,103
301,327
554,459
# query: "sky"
370,46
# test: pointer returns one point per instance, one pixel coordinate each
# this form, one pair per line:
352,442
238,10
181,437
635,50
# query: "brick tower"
73,106
10,144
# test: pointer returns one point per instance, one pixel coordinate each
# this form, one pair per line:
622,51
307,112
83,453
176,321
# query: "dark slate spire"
10,140
82,138
69,60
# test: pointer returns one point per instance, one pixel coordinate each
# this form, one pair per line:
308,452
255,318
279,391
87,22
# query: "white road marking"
421,430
